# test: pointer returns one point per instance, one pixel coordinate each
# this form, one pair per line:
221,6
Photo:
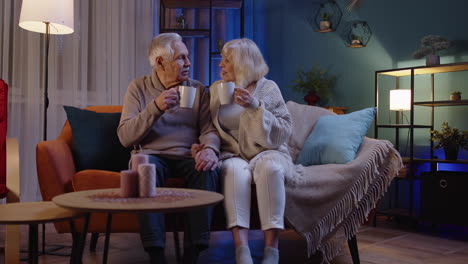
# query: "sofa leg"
93,242
353,249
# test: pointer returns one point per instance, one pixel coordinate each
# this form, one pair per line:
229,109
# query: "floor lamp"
48,17
400,100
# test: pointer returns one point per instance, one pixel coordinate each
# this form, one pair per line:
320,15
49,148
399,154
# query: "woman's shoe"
243,255
270,256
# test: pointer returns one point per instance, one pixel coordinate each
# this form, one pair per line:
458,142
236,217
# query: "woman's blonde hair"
161,45
249,65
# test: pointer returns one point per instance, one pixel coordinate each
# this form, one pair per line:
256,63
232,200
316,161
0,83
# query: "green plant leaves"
317,80
447,136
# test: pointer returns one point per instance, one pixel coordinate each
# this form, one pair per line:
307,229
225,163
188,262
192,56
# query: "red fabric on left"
3,131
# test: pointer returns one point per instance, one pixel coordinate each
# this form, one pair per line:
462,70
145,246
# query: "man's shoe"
157,255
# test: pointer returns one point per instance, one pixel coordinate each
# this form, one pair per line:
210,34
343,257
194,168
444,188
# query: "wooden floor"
385,244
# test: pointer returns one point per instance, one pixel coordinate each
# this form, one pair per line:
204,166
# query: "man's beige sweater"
265,125
170,132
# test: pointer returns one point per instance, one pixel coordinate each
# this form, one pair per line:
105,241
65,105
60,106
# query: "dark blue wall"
282,31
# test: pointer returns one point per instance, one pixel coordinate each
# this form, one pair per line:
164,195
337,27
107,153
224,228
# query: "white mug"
187,96
226,92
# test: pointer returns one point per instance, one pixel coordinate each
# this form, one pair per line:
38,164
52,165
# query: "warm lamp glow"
400,99
59,13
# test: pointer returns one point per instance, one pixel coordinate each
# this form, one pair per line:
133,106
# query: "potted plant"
455,95
451,139
429,46
325,23
316,84
355,40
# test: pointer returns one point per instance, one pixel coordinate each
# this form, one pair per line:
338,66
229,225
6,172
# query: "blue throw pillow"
336,138
95,142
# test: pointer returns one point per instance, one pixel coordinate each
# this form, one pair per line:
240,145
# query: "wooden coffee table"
35,213
108,201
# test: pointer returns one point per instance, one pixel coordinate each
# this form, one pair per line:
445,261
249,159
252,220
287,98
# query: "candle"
138,159
147,180
128,183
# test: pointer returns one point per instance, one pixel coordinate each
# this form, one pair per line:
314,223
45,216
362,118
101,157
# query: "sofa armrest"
55,168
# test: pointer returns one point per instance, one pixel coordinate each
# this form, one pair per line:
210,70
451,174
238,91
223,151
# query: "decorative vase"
455,97
451,151
312,98
432,59
324,25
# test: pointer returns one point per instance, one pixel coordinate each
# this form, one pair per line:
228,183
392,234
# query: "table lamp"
48,17
400,99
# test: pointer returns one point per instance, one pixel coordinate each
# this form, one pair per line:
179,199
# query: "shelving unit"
355,46
325,30
432,104
206,32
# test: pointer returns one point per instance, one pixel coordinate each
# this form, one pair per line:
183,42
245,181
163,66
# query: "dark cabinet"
444,197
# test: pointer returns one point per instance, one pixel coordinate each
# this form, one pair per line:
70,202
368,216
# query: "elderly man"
153,122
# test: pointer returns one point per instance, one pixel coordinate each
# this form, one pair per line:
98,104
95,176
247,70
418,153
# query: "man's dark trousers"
198,222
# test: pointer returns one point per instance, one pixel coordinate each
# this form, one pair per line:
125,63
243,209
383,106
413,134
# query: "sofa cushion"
336,139
303,119
95,142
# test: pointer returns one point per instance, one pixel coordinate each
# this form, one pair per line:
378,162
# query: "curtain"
92,66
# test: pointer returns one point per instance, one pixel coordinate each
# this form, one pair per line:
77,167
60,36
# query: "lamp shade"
400,99
59,13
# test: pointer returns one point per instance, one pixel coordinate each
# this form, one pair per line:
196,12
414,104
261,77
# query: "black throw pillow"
95,142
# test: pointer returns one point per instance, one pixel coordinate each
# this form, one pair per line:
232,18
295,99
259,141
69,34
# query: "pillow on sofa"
95,142
336,138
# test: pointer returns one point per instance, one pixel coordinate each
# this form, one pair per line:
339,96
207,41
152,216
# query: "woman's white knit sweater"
265,125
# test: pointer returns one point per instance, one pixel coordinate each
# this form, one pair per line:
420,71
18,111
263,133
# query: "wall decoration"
356,34
326,16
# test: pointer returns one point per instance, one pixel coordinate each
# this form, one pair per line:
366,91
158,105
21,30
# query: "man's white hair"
161,45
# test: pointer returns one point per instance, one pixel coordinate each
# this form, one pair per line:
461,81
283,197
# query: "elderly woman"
254,131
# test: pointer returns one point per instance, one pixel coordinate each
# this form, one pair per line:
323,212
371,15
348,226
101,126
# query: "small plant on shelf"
451,139
429,46
455,95
325,23
317,84
355,40
325,16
